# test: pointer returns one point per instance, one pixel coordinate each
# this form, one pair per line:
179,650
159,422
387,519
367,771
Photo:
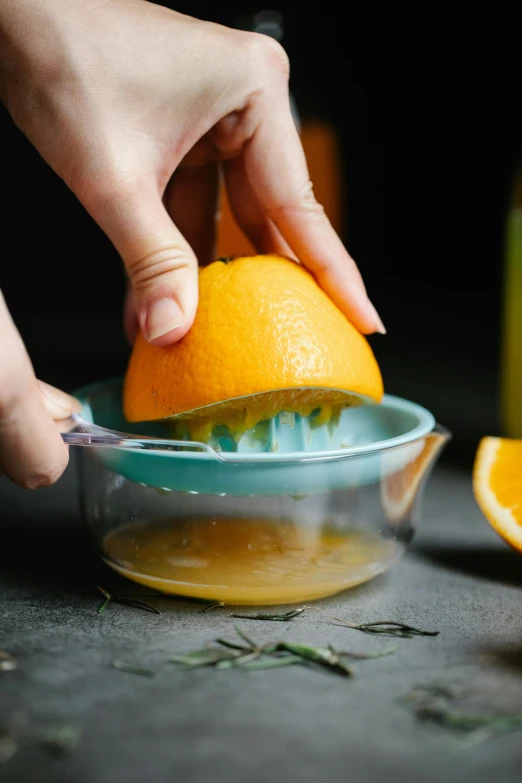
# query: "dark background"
427,108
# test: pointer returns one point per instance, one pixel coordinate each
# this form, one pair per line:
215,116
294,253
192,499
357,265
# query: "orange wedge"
497,483
398,490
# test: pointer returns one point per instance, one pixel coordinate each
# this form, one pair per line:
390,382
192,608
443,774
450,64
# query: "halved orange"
264,331
497,484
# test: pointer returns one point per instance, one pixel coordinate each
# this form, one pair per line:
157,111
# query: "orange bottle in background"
323,157
322,154
321,147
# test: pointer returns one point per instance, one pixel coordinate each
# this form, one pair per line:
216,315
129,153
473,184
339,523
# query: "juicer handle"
75,431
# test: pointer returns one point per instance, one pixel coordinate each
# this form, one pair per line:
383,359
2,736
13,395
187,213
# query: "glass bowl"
257,528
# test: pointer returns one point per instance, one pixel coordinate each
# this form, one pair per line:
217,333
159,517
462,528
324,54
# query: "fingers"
191,199
160,264
275,166
130,319
58,404
32,453
249,213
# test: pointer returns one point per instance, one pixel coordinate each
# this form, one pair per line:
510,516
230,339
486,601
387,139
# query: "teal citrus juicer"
294,510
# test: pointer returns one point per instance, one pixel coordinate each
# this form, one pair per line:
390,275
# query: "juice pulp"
246,561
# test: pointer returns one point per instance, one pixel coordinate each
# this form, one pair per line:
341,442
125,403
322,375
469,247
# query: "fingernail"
379,326
59,404
163,316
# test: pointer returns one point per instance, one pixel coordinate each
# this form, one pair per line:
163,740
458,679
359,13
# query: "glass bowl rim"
425,425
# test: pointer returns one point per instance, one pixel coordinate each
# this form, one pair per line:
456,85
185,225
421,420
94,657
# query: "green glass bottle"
512,315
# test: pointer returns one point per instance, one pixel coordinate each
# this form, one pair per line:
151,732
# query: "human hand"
137,108
32,452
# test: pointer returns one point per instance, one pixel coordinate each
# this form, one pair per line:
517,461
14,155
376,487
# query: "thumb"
58,404
161,266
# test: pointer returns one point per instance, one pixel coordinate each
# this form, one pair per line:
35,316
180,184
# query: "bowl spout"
402,488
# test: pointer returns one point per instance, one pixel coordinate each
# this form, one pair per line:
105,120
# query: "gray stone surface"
292,724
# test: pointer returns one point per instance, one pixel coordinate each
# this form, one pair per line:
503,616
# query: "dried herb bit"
378,654
211,657
232,645
432,702
136,603
8,663
126,600
58,739
388,628
9,747
242,635
214,605
242,654
107,596
272,663
239,660
284,617
324,656
478,727
432,690
129,668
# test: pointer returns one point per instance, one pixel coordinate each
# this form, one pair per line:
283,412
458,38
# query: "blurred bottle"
321,147
512,314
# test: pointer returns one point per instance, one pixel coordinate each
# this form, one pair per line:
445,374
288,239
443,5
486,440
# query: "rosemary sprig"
432,702
388,628
384,627
7,662
125,599
129,668
252,656
284,617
